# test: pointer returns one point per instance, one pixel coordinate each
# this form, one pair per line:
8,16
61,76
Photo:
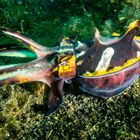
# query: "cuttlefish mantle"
106,57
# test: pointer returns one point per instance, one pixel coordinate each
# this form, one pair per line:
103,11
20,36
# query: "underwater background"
81,116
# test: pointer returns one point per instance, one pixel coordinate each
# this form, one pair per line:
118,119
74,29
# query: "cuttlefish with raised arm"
103,67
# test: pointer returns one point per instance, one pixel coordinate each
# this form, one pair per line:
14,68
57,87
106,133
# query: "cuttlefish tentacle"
3,67
13,55
38,70
31,71
55,96
37,48
22,53
53,67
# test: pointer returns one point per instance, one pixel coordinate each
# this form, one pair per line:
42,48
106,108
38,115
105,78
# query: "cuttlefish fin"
55,96
37,48
132,31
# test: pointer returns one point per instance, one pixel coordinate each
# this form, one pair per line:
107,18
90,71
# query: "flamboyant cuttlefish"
103,67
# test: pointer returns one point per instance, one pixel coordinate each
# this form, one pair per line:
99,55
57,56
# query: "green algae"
81,116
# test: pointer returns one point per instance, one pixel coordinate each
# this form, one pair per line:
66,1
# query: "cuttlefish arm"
54,96
18,53
40,50
15,56
22,73
50,67
3,67
38,70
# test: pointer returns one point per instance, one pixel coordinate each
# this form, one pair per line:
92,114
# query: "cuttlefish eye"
114,66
